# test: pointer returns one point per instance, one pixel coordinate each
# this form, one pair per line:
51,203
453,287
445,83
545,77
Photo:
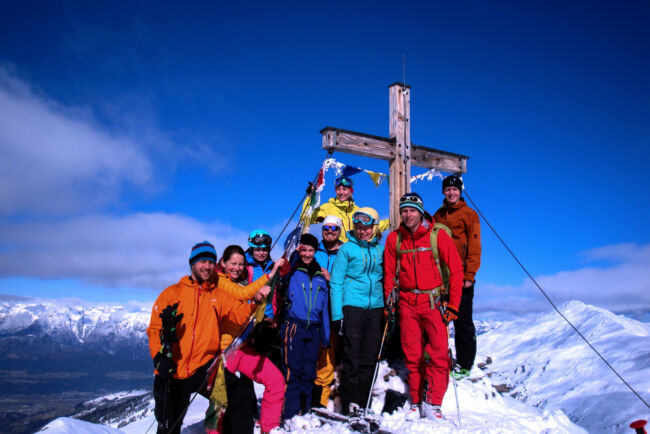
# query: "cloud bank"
56,161
619,282
145,250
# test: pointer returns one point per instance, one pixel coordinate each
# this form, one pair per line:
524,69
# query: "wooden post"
400,131
397,149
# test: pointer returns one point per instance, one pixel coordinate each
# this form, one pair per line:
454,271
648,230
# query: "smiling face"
411,218
343,193
330,236
260,254
306,253
234,266
452,195
363,232
202,270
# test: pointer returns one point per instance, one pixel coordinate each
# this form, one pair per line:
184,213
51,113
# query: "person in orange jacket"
466,233
197,301
412,269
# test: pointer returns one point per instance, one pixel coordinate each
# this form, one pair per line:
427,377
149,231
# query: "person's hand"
165,366
467,284
326,274
279,263
272,322
451,314
310,188
263,292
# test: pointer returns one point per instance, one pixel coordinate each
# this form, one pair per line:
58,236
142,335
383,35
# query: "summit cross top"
397,149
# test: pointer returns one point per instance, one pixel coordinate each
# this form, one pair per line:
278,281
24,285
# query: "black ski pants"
242,405
464,331
361,341
172,398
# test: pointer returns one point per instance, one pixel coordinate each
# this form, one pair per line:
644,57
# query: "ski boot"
430,411
459,373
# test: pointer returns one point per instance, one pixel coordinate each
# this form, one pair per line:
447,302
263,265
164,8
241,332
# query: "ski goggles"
411,199
260,240
344,181
363,218
331,228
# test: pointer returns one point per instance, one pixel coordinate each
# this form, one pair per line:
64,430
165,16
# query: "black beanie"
309,240
453,181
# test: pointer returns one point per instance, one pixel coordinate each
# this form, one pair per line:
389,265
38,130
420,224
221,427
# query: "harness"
437,292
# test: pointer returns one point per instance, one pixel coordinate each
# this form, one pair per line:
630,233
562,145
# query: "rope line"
329,154
551,301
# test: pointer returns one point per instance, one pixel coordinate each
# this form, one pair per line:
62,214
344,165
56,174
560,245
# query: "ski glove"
165,366
451,314
310,189
170,317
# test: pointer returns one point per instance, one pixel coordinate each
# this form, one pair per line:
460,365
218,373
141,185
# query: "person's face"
411,218
260,254
330,236
306,253
202,270
363,232
234,266
343,193
452,194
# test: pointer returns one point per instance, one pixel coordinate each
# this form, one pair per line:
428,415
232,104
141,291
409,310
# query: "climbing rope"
551,301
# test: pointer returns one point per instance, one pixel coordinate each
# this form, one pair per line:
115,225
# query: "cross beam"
397,149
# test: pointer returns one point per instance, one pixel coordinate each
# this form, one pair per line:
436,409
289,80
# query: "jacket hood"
205,286
347,205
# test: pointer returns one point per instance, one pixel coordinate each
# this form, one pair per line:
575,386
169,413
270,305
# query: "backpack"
433,239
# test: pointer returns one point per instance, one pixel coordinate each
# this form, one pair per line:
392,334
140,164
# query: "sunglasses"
345,182
363,219
411,199
329,228
260,240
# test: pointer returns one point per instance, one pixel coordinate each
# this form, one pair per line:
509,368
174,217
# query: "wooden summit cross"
397,149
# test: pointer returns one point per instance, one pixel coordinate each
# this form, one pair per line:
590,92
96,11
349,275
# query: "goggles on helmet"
363,218
260,240
412,199
344,181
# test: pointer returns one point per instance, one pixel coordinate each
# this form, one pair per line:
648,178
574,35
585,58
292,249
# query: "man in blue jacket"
325,255
305,328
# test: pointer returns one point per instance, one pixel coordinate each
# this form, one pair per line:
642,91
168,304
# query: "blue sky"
131,131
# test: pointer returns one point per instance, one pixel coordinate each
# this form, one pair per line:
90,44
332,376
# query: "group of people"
328,309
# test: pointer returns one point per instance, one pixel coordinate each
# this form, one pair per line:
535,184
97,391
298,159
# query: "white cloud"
622,286
55,160
140,250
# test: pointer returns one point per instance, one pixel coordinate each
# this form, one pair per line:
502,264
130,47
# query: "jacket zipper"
189,357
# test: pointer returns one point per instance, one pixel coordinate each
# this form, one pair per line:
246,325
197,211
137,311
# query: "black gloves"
170,317
338,327
165,366
310,189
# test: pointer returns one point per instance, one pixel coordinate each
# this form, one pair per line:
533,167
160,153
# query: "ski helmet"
260,239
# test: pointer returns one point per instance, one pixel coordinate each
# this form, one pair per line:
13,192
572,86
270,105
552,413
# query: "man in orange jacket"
193,309
466,233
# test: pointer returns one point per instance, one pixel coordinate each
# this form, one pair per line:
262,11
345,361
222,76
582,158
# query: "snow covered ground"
538,359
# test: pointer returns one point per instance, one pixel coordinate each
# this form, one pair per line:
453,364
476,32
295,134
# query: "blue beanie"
203,250
412,200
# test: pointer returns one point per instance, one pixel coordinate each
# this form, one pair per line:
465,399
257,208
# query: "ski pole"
453,379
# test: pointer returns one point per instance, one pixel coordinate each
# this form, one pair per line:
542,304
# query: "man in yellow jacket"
342,206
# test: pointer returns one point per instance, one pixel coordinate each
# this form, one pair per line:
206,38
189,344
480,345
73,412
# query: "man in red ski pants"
409,265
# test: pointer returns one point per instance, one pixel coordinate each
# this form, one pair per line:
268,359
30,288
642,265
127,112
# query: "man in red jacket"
411,269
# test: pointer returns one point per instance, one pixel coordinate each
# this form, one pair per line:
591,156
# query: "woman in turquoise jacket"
357,301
